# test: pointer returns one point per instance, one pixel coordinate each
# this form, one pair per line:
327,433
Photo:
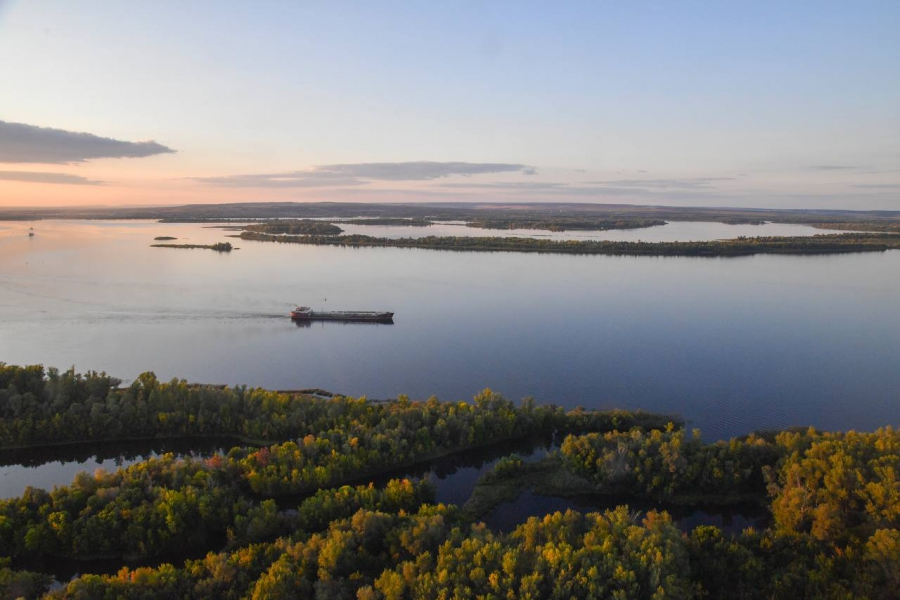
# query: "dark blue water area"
53,466
454,480
732,519
454,477
454,484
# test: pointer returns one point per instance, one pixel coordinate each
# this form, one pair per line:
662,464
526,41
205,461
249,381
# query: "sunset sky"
756,104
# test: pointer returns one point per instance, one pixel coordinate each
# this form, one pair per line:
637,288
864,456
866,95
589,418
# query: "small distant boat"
30,234
305,313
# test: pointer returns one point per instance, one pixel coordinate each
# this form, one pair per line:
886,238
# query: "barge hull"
346,318
304,313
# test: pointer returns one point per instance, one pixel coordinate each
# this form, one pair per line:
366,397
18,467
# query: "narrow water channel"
454,479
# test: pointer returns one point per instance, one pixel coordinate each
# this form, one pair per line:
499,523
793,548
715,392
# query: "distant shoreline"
819,244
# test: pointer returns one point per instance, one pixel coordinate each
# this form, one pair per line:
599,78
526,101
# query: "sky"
751,104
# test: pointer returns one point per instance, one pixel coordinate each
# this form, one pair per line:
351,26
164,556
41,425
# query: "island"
317,498
218,247
742,246
295,227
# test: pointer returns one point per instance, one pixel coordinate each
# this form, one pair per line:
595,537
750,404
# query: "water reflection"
64,569
52,466
734,518
454,477
305,324
673,231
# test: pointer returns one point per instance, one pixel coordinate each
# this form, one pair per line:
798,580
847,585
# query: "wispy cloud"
629,186
878,186
635,192
508,192
21,143
363,173
295,179
681,184
36,177
832,168
655,189
762,198
506,185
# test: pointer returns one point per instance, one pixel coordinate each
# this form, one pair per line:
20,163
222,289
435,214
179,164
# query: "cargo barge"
305,313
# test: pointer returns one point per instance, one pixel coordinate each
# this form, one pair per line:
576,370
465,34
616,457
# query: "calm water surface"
731,344
57,465
674,231
734,519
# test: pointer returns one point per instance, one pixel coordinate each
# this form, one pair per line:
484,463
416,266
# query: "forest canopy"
284,518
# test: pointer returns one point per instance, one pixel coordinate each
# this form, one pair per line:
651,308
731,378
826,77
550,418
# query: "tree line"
295,227
836,487
431,553
834,500
742,246
161,504
41,407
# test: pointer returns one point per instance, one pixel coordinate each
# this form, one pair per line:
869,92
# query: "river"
731,344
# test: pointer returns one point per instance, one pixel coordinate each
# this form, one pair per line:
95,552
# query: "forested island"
295,227
218,247
743,246
291,510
